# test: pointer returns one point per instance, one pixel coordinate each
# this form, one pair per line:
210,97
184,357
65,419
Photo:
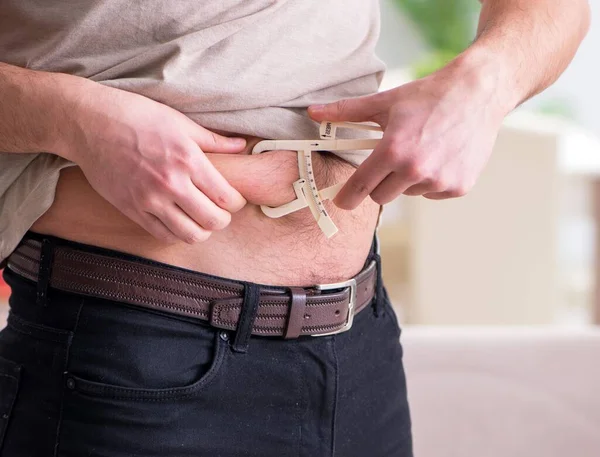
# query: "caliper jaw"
305,188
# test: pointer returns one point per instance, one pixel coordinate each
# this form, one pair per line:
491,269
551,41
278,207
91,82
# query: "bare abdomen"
287,251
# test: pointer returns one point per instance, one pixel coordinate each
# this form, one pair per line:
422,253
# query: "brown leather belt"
282,311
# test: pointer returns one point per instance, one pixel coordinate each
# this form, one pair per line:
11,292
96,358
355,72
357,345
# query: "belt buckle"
351,283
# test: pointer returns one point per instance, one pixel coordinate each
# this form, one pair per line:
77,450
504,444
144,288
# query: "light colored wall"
490,257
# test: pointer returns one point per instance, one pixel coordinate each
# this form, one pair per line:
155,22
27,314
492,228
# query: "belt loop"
296,315
44,271
377,243
379,293
243,331
378,303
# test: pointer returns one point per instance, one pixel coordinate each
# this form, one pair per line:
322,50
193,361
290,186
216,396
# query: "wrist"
62,105
487,76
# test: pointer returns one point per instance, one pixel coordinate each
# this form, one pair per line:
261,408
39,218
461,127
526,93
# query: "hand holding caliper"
305,188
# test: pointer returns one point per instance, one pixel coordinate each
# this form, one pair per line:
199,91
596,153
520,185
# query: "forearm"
523,46
439,131
33,108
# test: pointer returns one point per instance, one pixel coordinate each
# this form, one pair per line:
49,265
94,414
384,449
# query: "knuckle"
229,202
341,106
358,187
145,201
438,185
170,183
164,236
415,171
395,151
212,139
196,236
184,156
217,222
459,191
211,224
223,200
161,179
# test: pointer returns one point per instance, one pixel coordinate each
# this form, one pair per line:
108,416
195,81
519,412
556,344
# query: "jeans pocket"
110,420
39,353
88,387
134,378
132,353
9,385
37,331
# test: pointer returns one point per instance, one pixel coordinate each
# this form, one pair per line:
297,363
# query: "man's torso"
247,67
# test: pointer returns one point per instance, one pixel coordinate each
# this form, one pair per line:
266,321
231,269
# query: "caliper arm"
305,188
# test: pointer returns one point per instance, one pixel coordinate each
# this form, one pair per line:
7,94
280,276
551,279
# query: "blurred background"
498,292
521,248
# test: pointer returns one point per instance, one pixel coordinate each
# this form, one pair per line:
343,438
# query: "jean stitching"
162,275
8,376
65,366
146,284
299,372
335,395
39,326
12,403
50,334
142,395
77,288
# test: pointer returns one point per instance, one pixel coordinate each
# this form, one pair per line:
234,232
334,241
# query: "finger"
154,227
437,195
427,186
391,187
366,178
352,109
202,210
214,185
445,195
180,224
213,142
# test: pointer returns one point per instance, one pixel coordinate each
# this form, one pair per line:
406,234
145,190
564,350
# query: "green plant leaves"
446,25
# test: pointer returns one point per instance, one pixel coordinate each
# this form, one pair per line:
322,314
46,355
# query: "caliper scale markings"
305,188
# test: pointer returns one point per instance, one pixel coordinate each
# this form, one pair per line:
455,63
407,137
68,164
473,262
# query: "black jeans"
92,377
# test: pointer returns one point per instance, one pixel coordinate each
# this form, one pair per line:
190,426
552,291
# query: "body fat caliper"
305,188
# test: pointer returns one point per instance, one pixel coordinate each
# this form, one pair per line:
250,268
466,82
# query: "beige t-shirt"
244,66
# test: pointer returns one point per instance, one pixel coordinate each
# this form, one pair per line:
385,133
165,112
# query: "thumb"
359,109
213,142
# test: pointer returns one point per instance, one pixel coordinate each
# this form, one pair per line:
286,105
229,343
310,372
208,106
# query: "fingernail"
238,141
317,107
340,203
242,203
